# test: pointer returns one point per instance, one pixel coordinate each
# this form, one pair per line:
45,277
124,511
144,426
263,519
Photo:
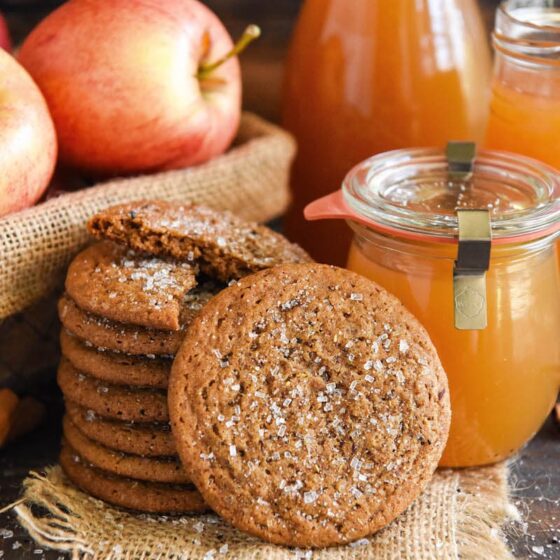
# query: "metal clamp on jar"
474,240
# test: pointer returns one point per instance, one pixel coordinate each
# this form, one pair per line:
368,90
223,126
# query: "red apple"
5,41
123,82
27,138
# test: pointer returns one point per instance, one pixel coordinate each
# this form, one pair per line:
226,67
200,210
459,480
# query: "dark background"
535,473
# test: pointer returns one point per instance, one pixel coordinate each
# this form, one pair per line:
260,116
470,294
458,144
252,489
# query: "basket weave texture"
37,244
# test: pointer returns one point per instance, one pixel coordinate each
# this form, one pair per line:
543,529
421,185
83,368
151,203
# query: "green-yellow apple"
130,86
27,138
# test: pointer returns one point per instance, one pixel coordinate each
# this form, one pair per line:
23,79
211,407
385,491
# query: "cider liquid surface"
368,76
503,380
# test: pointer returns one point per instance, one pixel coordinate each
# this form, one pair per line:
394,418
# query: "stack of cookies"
129,301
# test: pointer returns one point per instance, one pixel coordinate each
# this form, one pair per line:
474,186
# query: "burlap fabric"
37,244
460,516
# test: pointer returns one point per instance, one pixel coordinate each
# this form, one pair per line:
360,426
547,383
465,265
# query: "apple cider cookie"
116,368
148,497
308,405
153,469
225,246
116,283
111,401
108,335
150,440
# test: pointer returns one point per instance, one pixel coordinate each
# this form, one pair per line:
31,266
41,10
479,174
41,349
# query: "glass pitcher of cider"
468,245
367,76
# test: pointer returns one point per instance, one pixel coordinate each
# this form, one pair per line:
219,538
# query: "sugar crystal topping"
326,399
160,280
128,287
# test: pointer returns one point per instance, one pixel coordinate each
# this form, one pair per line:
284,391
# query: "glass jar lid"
414,193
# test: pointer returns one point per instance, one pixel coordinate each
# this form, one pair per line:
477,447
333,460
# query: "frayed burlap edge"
460,516
250,180
484,504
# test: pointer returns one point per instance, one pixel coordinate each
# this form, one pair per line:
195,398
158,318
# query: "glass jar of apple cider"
367,76
525,104
469,248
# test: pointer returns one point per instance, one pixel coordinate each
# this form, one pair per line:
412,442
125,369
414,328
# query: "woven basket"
37,244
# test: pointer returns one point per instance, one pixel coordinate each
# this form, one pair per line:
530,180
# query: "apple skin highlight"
27,138
120,80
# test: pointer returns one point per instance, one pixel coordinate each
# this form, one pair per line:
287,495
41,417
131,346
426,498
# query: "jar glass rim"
386,190
510,12
529,31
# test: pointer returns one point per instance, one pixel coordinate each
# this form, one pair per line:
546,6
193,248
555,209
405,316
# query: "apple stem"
249,35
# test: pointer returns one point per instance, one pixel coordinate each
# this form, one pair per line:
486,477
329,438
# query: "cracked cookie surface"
225,246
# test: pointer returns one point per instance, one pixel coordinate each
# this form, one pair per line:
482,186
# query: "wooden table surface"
535,472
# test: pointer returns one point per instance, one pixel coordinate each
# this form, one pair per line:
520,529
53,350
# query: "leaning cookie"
308,406
149,497
224,245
